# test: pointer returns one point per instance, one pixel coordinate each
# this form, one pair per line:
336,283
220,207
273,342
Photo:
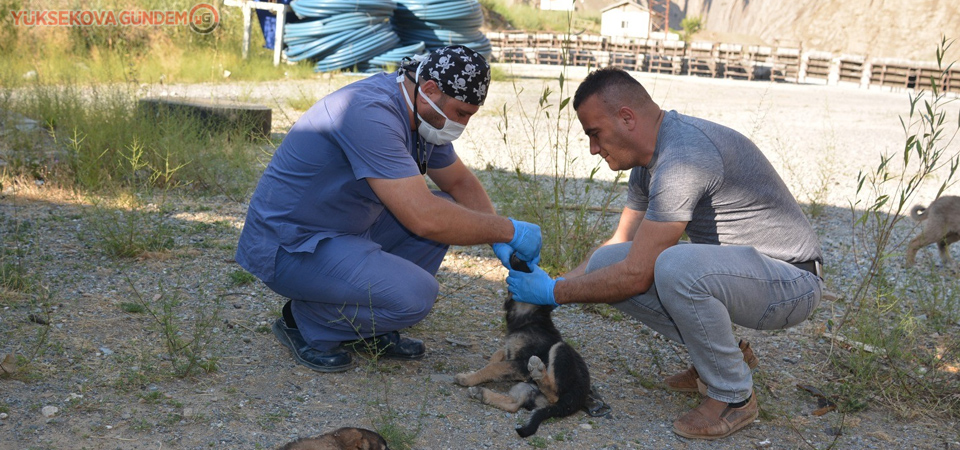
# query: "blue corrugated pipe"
379,33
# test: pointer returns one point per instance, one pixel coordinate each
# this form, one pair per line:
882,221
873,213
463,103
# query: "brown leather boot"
689,380
698,424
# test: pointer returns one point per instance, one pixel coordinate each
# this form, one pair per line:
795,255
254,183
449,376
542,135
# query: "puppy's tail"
556,410
917,213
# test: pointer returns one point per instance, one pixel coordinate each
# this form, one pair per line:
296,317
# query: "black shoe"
391,346
335,360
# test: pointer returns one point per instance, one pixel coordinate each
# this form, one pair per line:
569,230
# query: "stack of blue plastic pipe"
342,34
441,22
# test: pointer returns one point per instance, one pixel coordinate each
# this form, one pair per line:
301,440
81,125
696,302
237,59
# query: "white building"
625,19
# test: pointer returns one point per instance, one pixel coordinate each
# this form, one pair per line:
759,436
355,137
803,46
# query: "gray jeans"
699,290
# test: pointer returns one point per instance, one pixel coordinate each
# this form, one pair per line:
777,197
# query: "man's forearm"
475,200
611,284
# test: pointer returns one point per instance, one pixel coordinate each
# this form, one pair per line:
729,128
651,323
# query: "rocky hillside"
907,29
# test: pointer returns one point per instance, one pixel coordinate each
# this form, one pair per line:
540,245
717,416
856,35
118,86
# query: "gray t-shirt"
718,180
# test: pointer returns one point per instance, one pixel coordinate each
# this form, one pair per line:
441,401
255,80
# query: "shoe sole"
285,341
387,355
719,436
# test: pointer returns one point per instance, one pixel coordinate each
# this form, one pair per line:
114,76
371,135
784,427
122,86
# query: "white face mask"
437,136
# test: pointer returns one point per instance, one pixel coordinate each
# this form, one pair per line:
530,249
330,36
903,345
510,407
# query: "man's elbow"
640,281
641,286
424,226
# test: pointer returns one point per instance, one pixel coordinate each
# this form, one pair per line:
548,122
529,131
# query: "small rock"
26,125
586,426
458,342
247,339
764,444
49,411
237,306
106,351
3,416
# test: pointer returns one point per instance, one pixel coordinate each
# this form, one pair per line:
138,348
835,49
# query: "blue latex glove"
535,287
526,242
503,252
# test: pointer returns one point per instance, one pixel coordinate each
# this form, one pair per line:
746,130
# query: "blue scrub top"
315,186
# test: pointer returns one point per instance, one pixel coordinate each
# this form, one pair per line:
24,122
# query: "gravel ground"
101,365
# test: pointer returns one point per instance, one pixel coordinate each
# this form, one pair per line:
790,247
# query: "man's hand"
535,287
503,252
526,241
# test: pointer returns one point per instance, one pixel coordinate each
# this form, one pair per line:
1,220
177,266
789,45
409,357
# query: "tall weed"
187,337
898,315
549,184
95,128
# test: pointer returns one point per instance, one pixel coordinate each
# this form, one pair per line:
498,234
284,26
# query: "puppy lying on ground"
533,350
940,223
342,439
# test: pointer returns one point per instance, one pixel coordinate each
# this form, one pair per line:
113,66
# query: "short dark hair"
603,81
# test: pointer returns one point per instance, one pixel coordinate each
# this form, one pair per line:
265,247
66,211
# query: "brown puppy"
342,439
533,350
940,223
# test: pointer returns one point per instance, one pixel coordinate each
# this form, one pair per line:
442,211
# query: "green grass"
241,277
133,308
86,55
302,101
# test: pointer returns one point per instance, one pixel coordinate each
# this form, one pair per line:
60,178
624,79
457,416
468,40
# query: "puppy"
342,439
940,223
533,350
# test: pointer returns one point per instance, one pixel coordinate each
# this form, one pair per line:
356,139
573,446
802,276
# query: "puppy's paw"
536,368
463,379
475,392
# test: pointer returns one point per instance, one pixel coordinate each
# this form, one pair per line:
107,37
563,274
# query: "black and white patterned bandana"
460,73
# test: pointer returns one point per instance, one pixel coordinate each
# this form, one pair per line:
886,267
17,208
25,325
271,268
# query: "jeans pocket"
788,313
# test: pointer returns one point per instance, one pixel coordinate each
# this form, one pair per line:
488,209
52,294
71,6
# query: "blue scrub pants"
364,285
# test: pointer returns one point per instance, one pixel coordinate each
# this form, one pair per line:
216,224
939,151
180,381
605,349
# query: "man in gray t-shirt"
753,259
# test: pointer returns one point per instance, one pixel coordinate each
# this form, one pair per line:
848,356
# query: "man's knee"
416,297
608,255
674,262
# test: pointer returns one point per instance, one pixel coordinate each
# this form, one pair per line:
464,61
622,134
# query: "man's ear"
430,87
628,117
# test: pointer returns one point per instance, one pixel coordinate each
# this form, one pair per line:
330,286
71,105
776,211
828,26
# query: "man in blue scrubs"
343,224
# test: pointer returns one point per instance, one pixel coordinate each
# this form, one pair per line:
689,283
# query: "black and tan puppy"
342,439
533,350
